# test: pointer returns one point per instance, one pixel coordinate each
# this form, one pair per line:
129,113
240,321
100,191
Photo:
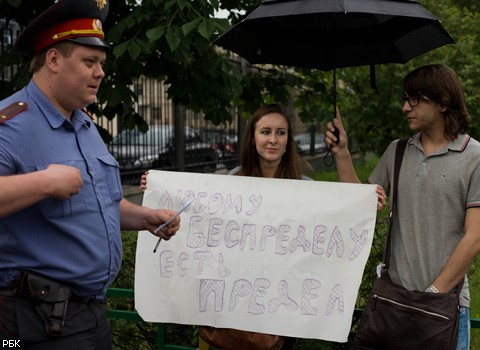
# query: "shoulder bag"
396,318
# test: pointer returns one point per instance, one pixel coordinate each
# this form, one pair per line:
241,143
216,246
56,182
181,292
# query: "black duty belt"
49,297
19,287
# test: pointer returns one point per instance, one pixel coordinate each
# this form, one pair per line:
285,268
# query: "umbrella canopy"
329,34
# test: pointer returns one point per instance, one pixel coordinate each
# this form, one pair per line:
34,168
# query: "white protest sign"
266,255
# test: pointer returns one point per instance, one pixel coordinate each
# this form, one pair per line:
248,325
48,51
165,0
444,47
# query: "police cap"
78,21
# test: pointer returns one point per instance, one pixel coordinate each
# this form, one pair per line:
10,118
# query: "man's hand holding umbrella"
336,136
343,158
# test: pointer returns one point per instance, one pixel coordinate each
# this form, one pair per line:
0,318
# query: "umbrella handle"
335,132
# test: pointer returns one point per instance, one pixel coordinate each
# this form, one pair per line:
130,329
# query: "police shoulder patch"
12,110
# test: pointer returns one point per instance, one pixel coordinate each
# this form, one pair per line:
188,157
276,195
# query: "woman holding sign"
269,151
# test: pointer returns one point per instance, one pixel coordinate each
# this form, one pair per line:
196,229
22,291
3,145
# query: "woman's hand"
143,182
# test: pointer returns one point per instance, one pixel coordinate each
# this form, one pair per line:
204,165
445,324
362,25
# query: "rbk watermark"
10,343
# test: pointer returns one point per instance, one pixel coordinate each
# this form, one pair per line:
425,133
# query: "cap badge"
101,4
97,25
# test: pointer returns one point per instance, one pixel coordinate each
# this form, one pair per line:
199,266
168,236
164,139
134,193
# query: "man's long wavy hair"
440,84
289,167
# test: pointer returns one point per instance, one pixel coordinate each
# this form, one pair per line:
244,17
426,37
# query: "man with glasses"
436,235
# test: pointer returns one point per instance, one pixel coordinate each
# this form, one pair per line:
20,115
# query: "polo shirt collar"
460,143
457,145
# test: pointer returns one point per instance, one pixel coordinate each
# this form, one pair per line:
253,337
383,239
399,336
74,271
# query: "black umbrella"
329,34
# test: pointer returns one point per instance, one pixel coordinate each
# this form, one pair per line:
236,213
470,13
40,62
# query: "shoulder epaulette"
12,110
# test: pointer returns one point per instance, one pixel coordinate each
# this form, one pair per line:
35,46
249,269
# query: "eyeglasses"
413,101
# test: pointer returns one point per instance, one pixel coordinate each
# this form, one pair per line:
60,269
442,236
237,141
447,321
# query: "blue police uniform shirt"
77,240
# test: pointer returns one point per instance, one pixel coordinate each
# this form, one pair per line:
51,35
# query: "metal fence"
8,35
177,139
163,343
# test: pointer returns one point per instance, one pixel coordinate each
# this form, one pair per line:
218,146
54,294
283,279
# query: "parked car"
155,148
303,141
226,145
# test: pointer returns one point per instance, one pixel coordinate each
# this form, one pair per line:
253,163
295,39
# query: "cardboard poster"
267,255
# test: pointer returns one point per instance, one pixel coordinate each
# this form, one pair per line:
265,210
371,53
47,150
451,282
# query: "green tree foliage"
171,41
168,40
374,116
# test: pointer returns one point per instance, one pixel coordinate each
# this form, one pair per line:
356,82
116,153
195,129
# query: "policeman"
61,203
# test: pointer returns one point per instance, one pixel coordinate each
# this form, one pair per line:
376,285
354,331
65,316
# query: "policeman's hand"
63,181
160,216
335,144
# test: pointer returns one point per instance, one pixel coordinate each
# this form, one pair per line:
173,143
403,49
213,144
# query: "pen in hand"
166,223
